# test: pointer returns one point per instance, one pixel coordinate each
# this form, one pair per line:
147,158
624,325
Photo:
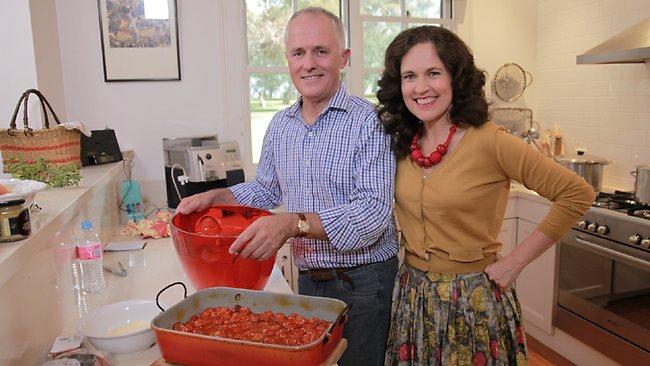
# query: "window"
370,24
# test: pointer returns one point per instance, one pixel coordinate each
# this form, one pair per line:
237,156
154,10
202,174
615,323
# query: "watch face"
303,226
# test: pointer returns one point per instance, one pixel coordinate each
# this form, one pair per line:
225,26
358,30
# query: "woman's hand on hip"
503,272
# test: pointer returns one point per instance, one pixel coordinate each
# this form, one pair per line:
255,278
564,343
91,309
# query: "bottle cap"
86,225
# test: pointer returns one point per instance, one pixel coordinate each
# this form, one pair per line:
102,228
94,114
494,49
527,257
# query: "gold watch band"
303,224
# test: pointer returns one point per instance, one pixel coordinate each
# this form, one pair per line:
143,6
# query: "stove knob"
583,224
645,243
603,230
634,239
592,227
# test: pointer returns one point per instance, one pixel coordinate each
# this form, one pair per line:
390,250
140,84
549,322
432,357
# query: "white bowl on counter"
21,189
121,328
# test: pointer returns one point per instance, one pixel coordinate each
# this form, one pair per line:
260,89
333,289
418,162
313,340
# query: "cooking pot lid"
581,158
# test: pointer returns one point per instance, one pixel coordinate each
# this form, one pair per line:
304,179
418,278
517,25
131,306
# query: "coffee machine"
198,164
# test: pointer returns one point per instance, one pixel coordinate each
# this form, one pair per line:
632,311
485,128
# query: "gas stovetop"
619,218
623,202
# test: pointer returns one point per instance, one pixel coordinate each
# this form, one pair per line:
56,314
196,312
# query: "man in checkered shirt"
327,159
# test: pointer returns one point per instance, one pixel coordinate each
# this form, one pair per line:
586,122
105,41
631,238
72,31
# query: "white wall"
604,108
17,66
142,113
500,32
47,57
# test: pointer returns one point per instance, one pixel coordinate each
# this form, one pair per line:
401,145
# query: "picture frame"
139,40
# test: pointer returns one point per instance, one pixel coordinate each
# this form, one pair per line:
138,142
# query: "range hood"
630,46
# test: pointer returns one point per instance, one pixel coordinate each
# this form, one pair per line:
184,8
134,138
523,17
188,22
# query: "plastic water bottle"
89,255
65,255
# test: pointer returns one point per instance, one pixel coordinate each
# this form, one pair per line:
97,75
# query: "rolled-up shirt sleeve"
362,221
264,191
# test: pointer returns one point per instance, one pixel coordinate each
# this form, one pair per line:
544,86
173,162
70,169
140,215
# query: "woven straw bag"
58,145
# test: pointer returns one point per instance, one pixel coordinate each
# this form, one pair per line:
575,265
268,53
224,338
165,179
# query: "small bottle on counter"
89,255
558,146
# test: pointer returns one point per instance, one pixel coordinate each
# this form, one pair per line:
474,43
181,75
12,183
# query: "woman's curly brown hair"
468,106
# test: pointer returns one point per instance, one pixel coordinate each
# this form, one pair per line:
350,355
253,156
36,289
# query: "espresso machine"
198,164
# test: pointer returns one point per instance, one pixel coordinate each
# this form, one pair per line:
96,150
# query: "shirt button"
310,134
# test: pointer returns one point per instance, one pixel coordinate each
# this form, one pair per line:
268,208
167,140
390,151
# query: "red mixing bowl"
202,239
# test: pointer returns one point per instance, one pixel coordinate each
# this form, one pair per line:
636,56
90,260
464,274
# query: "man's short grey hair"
314,10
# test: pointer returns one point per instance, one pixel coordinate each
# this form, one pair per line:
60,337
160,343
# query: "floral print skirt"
453,319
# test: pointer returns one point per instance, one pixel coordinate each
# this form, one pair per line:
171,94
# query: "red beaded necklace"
436,155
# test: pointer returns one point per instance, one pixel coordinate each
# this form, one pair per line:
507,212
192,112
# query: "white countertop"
149,270
59,206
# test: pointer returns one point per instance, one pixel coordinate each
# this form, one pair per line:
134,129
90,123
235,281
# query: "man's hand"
265,236
503,272
202,201
197,202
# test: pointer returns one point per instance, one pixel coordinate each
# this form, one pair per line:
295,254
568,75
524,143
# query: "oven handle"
613,253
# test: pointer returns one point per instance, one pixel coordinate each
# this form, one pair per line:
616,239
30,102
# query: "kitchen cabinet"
508,236
285,262
535,284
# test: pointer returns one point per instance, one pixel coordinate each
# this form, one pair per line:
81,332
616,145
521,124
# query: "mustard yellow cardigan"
450,220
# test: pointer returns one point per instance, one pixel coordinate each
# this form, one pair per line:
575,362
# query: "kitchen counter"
34,307
58,207
149,270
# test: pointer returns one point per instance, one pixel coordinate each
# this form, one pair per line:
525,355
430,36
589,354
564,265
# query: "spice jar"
14,221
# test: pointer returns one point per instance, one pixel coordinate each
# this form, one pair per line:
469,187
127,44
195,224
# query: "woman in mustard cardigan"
452,304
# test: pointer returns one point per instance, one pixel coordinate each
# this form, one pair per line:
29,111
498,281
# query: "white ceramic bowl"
121,328
21,189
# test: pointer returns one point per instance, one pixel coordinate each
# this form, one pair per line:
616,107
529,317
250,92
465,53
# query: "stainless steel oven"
603,285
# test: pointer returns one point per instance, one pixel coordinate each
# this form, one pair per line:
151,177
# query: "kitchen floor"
540,355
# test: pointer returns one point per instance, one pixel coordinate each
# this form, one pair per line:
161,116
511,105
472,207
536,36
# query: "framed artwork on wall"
139,40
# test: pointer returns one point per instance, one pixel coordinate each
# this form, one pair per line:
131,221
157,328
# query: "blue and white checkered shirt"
342,168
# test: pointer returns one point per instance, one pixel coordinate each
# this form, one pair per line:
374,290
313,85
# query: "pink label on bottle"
91,252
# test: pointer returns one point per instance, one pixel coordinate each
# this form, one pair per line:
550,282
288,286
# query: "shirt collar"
340,100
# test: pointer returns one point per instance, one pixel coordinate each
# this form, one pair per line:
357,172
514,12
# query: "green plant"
52,175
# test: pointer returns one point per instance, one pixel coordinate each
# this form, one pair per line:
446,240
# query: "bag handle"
45,106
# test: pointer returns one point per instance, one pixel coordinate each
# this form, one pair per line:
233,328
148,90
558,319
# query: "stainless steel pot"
642,184
590,167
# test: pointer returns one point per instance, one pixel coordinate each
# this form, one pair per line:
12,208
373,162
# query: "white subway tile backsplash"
597,72
597,25
634,71
622,87
641,154
603,108
614,152
563,46
623,120
626,20
643,87
611,7
635,104
634,5
556,61
642,120
591,88
623,137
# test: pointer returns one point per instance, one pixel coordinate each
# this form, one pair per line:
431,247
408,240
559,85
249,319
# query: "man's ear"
346,56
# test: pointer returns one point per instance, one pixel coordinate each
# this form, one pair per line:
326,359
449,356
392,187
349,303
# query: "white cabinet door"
535,283
283,260
508,236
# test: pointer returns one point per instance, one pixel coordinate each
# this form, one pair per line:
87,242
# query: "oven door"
607,284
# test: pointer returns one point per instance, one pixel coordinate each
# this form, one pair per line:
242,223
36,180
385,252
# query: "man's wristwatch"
303,224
